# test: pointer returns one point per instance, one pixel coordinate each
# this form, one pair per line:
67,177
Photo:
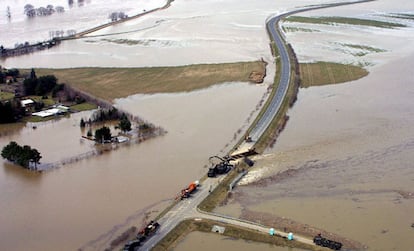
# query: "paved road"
187,209
282,88
285,73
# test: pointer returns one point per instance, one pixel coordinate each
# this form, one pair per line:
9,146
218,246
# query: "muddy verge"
289,225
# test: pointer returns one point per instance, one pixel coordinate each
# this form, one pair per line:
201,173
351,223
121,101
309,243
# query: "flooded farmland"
352,142
89,203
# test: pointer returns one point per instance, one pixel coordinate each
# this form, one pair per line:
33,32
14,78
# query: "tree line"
31,11
42,85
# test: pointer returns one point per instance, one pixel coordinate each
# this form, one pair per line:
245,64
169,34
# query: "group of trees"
42,85
124,123
103,114
71,2
21,155
31,11
104,133
115,16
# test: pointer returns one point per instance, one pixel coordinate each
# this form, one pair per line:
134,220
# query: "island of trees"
104,134
24,156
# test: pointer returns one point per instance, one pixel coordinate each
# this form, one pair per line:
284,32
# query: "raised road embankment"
187,208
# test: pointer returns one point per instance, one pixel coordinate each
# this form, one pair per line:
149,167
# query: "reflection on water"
89,203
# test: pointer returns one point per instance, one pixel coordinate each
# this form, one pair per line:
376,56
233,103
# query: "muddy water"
353,144
199,241
88,203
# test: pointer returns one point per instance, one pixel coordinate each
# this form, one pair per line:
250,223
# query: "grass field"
326,73
111,83
344,20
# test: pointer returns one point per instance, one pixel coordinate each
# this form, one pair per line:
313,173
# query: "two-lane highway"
283,85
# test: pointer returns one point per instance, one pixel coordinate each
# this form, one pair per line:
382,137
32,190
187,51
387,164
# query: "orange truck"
185,193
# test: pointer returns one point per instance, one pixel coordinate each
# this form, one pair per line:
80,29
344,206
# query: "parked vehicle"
185,193
142,235
321,241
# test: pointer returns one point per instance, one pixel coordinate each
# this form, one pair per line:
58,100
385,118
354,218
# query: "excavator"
219,168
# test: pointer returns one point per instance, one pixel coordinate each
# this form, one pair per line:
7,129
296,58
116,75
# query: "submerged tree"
103,134
124,123
82,123
22,156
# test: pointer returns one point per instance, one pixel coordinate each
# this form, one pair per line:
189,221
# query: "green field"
326,73
111,83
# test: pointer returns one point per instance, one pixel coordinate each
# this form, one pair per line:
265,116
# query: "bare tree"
113,16
29,10
122,15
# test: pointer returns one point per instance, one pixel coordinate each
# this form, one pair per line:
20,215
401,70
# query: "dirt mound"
257,77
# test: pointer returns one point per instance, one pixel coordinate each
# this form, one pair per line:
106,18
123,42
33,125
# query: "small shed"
218,229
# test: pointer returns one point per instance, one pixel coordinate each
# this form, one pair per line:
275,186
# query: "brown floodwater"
88,203
353,144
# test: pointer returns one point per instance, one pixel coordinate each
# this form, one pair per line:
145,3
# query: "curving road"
187,209
285,72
